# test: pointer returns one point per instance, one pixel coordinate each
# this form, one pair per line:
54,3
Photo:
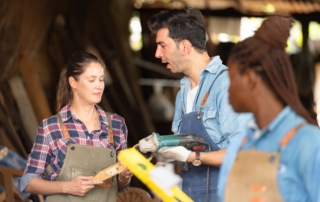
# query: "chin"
96,101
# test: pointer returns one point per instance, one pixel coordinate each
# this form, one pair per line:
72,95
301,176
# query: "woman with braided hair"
278,157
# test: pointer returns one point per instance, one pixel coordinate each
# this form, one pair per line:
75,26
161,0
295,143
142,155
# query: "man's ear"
72,82
186,46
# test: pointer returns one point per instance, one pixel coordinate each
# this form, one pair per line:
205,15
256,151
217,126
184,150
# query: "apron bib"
196,180
253,176
83,160
199,182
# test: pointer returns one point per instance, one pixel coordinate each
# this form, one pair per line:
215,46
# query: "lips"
97,94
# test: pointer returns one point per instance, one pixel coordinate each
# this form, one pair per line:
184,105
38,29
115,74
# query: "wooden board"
109,172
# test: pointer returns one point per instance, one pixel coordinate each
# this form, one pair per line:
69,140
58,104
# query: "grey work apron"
83,160
196,179
253,176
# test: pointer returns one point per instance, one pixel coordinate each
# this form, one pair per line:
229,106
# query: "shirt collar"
213,66
252,124
66,114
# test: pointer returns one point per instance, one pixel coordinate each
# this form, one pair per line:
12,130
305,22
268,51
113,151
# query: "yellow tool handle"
109,172
141,168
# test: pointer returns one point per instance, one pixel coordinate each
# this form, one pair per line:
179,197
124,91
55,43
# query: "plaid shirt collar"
66,114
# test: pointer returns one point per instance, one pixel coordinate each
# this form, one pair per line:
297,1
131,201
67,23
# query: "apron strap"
64,128
110,128
205,97
286,139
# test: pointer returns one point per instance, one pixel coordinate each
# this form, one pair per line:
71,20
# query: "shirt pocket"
209,115
209,118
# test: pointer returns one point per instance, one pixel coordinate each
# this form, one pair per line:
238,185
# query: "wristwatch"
197,161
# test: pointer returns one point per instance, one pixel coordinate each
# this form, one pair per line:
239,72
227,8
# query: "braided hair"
265,54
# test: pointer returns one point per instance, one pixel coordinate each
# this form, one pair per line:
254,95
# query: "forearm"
214,158
45,187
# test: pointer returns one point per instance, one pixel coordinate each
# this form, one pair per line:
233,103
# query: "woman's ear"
252,79
72,82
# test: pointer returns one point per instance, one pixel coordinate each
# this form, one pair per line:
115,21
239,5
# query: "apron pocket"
90,195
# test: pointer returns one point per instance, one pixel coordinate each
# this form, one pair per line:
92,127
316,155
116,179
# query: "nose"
100,85
158,53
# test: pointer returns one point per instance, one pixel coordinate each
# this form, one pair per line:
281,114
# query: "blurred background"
38,37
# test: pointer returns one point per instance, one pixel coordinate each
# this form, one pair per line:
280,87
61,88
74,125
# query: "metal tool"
154,142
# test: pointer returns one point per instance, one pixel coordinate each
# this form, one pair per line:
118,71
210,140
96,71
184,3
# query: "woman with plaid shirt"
91,143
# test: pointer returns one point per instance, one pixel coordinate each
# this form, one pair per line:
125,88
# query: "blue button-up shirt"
298,172
219,119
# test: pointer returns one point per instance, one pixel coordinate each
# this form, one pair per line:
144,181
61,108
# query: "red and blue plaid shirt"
50,146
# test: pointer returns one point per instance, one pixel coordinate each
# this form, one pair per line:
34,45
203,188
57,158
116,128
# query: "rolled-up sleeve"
37,159
25,179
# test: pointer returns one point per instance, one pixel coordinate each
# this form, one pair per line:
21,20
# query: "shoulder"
105,115
116,117
308,136
304,145
48,129
47,122
215,66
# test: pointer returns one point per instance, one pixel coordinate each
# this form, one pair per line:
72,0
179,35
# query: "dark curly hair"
182,24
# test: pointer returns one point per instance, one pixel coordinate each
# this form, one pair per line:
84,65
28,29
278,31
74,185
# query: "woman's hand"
80,185
125,176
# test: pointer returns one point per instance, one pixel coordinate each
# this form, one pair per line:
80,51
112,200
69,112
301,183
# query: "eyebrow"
94,76
160,42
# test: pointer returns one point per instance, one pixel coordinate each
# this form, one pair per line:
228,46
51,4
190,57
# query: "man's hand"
178,153
149,144
80,185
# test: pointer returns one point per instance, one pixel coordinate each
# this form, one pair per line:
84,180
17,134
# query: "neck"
83,112
266,110
197,64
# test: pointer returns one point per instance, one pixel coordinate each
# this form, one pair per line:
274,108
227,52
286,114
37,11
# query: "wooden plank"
27,114
11,121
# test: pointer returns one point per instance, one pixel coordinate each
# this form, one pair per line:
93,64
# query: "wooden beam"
34,88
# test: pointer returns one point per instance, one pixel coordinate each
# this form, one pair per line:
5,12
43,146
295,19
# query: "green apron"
87,161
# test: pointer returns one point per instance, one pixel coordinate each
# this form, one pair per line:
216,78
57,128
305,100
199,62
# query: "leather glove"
149,144
178,153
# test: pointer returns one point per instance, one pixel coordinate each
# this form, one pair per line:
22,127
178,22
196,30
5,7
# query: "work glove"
178,153
149,144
